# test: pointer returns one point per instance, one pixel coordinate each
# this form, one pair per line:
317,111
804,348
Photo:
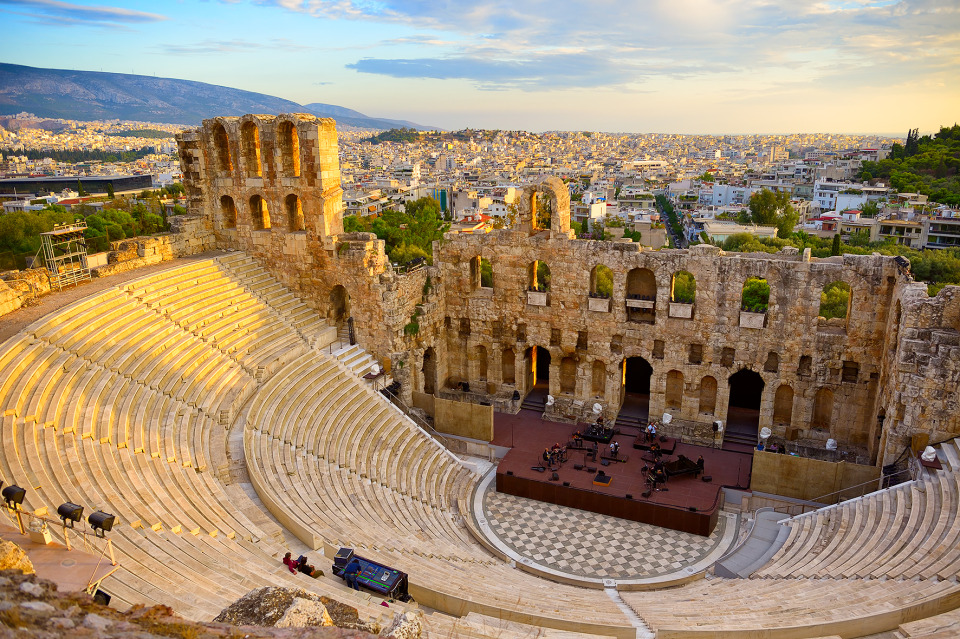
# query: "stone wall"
271,186
18,288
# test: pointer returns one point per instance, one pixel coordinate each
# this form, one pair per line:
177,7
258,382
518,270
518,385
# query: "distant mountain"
94,95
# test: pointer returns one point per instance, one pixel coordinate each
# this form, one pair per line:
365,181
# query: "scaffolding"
65,251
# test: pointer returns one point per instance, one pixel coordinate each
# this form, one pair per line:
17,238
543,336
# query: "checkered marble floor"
592,545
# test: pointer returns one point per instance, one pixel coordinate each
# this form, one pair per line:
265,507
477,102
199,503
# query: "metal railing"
17,515
419,421
878,482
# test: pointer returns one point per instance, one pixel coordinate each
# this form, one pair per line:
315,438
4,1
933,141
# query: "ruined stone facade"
270,186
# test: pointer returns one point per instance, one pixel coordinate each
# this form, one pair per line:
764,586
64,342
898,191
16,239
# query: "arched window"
599,378
755,296
683,288
294,213
568,375
674,394
542,207
481,273
228,212
480,361
783,405
250,141
708,395
601,281
822,409
835,304
508,366
259,213
641,296
221,145
539,276
290,149
772,365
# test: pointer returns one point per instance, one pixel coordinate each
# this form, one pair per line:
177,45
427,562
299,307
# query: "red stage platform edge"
690,505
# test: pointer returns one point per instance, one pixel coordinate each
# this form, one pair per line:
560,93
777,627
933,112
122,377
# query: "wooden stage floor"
689,504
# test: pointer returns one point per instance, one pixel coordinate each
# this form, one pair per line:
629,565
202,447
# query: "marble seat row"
728,608
910,530
344,468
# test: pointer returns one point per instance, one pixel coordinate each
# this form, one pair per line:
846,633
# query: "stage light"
101,522
13,496
70,513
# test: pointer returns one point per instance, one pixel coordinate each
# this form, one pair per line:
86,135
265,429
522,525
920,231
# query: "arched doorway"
339,305
636,390
429,371
743,414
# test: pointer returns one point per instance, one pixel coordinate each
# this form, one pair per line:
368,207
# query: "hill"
94,95
927,165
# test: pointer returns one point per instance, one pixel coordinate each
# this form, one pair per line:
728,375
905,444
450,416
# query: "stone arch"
294,213
568,375
708,395
822,414
259,214
783,405
552,193
250,145
599,376
228,212
836,300
339,305
674,392
508,366
221,146
641,295
744,403
289,149
481,273
480,361
772,365
538,276
601,281
755,295
429,371
683,287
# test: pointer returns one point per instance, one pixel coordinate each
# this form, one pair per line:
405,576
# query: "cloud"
67,13
538,44
205,47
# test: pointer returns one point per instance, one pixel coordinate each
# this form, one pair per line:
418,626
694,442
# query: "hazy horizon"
697,67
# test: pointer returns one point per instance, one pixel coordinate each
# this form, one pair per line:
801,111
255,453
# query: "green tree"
706,177
486,273
110,193
769,208
603,281
81,192
835,247
684,287
756,295
870,209
834,300
543,276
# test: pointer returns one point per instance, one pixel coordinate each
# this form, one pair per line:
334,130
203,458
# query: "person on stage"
651,432
700,465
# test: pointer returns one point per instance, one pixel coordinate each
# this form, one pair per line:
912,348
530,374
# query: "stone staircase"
356,359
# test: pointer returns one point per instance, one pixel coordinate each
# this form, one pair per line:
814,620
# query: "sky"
670,66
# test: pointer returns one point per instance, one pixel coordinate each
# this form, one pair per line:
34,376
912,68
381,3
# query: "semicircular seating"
157,399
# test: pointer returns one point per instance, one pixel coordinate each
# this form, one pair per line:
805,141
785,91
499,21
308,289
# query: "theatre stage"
689,504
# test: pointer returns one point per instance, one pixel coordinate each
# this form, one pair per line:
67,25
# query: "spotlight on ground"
101,522
70,513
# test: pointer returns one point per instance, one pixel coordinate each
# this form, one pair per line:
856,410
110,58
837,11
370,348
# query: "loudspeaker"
646,493
466,387
707,478
510,473
578,466
554,477
566,483
629,496
692,509
591,469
